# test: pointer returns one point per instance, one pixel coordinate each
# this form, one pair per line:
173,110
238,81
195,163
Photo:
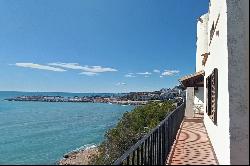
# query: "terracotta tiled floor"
192,146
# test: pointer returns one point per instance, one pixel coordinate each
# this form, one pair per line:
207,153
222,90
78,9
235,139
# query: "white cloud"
161,76
68,65
86,68
146,76
88,73
98,69
170,72
130,75
145,73
120,83
38,66
156,71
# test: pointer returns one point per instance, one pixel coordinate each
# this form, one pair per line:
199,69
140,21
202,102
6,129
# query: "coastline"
79,157
76,99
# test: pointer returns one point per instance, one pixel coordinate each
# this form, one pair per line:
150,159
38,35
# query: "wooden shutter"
212,95
208,107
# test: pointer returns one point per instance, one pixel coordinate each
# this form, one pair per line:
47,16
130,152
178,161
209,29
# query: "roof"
193,80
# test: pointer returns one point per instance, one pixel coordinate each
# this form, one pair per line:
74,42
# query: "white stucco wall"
218,58
229,53
201,42
199,96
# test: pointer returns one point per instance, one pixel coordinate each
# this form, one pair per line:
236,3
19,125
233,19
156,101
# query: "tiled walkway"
192,146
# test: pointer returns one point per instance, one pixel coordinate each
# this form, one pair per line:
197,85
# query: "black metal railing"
154,148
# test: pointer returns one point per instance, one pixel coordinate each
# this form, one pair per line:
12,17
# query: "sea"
35,133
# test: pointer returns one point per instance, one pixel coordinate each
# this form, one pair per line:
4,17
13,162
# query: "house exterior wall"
199,96
229,53
201,42
218,58
199,100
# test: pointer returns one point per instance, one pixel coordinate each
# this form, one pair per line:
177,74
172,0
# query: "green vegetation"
131,128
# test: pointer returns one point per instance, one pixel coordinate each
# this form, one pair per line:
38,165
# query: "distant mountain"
179,87
165,90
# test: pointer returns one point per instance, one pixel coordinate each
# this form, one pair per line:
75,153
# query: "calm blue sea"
41,132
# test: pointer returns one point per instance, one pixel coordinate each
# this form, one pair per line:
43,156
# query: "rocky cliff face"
81,157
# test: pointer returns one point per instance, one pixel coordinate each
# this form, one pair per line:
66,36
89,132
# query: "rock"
66,156
82,157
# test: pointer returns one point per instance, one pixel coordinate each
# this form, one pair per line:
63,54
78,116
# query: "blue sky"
97,45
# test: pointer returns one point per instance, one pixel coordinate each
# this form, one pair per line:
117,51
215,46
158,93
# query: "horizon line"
73,92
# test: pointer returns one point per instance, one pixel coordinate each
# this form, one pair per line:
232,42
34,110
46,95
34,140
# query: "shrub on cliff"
131,128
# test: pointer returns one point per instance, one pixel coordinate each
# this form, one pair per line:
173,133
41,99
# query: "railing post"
163,141
159,146
169,134
128,160
153,139
145,152
138,156
133,158
150,152
166,138
142,158
155,147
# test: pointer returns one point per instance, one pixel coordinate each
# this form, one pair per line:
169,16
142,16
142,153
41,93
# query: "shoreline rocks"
81,157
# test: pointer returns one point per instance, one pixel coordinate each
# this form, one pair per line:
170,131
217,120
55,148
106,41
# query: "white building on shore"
220,85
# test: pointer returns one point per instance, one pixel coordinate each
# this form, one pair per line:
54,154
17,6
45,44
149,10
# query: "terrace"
192,145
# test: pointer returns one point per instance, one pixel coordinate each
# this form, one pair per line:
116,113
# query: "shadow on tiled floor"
192,146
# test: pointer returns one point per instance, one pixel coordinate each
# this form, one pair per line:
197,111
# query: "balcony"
175,141
192,145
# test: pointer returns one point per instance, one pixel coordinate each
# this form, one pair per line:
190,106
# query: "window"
212,95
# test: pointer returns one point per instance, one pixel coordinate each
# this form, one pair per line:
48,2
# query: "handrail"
154,147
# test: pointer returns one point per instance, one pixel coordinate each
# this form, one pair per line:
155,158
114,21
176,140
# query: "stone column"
189,112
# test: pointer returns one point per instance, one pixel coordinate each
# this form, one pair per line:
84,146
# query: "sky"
97,45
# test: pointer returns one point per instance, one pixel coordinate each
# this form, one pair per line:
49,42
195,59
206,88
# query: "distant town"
175,94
